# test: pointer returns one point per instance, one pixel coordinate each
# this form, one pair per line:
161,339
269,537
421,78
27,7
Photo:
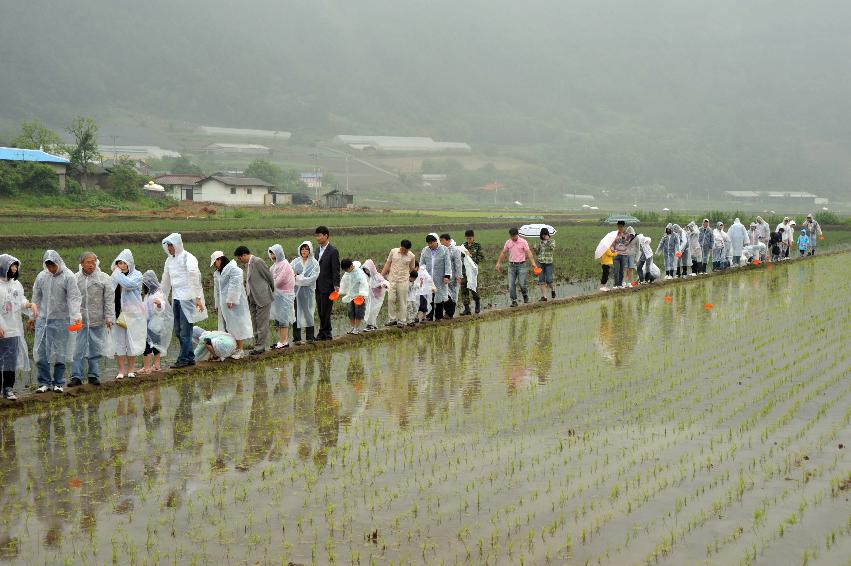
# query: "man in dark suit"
328,281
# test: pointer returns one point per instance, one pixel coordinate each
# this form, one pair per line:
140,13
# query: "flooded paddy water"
711,427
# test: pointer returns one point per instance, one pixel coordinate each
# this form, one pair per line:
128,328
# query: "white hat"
214,256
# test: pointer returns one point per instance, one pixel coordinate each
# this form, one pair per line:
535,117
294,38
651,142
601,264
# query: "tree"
182,165
125,182
28,178
85,148
35,135
265,170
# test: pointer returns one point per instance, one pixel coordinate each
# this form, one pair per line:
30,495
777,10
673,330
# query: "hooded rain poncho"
738,237
182,279
471,270
695,250
283,299
456,258
14,355
133,310
668,245
229,287
306,272
439,265
354,283
58,299
97,308
377,291
160,318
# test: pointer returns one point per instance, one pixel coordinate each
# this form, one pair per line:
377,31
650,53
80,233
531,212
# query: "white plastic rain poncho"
14,355
354,283
471,270
58,300
695,250
283,299
377,291
684,260
457,261
223,343
182,279
718,254
97,296
668,246
813,230
738,237
133,312
706,239
229,289
439,265
728,248
763,230
160,317
306,271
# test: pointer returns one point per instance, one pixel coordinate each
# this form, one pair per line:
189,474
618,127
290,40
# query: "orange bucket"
358,300
537,270
679,254
708,306
668,298
756,262
334,295
75,327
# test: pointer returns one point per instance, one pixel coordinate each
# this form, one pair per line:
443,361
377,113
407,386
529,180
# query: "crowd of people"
79,319
697,250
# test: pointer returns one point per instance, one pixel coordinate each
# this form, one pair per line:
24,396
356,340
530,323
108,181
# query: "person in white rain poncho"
131,329
813,230
763,231
160,322
283,298
212,344
424,287
455,259
354,288
788,236
668,246
738,238
695,251
706,238
231,301
683,261
182,280
718,247
57,298
94,340
471,272
306,271
435,258
377,290
645,259
14,355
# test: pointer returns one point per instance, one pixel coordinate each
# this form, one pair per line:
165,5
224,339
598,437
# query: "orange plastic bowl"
708,306
358,300
756,262
679,254
334,295
75,327
537,270
668,298
821,237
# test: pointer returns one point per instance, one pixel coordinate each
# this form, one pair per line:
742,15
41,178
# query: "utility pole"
114,148
347,173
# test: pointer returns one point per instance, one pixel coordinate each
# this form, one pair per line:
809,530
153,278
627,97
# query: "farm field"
712,427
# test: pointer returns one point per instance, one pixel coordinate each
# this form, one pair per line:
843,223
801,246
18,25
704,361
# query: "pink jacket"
282,271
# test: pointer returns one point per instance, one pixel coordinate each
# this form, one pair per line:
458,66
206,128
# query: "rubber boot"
466,310
478,305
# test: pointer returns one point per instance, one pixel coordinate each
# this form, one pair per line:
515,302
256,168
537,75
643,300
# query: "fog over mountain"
716,95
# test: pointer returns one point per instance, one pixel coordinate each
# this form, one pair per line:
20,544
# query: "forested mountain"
723,94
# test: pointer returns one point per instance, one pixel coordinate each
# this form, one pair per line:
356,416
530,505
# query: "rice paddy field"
709,427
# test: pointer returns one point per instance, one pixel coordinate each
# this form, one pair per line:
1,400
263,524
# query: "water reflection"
79,470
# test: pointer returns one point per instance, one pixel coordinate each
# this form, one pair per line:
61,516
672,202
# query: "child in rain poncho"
377,290
423,287
354,288
803,242
719,247
131,330
160,322
645,259
668,245
695,251
57,298
706,239
14,355
306,271
681,254
231,301
283,299
606,262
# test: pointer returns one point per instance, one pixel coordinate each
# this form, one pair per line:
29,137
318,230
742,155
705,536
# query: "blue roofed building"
57,163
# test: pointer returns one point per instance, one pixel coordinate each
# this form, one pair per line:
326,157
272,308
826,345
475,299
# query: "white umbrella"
605,244
534,230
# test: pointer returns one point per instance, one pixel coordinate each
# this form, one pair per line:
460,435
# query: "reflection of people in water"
10,499
327,411
303,378
472,388
516,354
50,476
617,331
542,351
260,430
